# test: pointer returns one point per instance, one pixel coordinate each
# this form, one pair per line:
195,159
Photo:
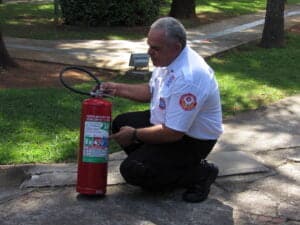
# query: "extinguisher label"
95,146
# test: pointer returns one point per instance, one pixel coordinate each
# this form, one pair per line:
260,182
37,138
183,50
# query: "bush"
130,12
84,12
109,12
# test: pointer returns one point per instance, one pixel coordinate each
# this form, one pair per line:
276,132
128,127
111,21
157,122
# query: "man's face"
161,51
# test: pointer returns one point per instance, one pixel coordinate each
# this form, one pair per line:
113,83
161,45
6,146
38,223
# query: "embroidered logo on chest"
188,102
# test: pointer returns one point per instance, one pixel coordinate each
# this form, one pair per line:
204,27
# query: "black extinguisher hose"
76,68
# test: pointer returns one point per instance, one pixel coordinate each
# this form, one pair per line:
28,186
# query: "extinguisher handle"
76,68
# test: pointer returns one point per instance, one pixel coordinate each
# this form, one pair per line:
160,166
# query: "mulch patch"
30,74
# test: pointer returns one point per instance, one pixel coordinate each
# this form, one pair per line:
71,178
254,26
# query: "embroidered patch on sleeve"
188,101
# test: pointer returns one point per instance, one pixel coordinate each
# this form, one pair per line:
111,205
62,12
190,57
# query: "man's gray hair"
173,28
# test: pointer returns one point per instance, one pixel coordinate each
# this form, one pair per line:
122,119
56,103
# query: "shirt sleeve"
185,102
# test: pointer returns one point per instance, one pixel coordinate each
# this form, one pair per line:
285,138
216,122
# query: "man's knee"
118,122
136,173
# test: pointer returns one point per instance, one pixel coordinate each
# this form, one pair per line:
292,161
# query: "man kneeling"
167,145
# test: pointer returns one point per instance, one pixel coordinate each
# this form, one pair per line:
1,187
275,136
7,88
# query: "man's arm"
136,92
156,134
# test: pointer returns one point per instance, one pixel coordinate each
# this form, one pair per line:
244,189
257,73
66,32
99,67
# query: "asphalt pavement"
258,154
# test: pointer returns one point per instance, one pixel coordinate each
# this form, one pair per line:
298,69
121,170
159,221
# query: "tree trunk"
183,9
5,60
273,33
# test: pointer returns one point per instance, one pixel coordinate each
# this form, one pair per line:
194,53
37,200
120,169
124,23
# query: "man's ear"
178,47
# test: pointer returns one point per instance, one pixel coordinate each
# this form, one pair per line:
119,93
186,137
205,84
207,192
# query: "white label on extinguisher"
95,145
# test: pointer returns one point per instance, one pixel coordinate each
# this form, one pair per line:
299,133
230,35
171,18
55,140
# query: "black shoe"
199,192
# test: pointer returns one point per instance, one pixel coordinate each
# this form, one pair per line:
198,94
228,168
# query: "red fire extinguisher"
94,139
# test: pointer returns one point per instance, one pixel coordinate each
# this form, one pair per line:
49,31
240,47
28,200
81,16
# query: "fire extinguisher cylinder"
94,146
94,143
94,137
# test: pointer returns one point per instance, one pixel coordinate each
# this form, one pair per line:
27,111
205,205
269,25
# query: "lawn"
32,20
251,76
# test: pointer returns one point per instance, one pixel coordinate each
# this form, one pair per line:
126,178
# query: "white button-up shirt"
185,97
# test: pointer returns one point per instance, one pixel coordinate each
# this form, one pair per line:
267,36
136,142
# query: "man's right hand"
136,92
109,88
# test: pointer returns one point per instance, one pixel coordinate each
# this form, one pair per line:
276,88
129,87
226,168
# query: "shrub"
84,12
109,12
131,12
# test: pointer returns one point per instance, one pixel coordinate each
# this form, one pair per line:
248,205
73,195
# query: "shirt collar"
177,62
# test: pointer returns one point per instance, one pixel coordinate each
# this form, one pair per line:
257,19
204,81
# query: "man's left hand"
124,136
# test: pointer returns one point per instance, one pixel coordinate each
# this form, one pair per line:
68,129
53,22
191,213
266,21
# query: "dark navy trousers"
160,167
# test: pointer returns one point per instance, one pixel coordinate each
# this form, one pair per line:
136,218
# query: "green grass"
32,20
42,124
251,76
230,7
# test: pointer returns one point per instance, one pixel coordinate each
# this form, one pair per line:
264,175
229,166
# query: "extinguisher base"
90,191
